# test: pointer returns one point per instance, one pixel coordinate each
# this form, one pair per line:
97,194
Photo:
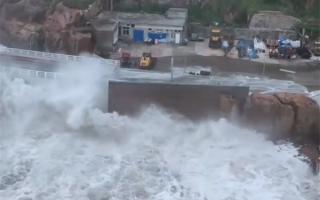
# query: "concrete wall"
106,38
264,33
192,101
246,33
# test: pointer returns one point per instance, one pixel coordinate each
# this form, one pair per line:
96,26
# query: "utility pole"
185,60
172,60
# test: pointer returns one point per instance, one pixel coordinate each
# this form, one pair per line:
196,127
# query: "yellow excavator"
215,41
147,62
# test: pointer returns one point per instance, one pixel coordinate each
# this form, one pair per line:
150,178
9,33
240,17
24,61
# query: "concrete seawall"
193,101
280,115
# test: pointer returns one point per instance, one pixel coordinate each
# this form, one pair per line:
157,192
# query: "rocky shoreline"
282,116
29,24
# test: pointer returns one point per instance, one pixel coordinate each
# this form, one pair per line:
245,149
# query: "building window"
125,30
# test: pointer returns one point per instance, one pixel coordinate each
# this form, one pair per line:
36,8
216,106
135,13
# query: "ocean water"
55,145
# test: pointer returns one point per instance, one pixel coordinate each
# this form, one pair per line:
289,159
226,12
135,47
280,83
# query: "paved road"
307,77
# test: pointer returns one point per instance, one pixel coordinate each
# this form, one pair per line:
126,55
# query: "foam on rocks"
55,145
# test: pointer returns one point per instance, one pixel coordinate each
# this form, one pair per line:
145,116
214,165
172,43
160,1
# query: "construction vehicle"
273,52
215,39
316,48
272,43
147,62
126,61
273,48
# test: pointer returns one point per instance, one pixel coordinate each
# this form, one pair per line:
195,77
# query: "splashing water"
55,145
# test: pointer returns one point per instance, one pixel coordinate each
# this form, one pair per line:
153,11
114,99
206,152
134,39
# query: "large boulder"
283,116
266,114
306,116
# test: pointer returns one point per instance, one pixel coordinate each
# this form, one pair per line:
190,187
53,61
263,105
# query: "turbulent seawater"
55,145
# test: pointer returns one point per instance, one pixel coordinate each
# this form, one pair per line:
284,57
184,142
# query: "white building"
139,26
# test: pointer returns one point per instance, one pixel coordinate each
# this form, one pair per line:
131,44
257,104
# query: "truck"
215,41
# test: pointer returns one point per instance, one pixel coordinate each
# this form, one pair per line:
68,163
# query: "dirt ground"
305,72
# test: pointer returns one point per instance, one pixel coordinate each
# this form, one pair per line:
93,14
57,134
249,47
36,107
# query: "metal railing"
31,73
45,75
60,57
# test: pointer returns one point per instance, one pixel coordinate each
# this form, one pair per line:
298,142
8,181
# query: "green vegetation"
81,4
151,8
230,12
234,12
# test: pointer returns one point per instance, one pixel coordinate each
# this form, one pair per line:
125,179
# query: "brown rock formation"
20,22
312,153
286,116
282,116
266,114
60,34
36,25
306,116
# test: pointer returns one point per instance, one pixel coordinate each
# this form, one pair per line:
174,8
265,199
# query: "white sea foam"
56,146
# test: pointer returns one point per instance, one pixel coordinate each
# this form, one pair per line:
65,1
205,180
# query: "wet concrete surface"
305,75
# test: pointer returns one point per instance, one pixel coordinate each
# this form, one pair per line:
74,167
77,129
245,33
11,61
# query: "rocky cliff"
57,26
